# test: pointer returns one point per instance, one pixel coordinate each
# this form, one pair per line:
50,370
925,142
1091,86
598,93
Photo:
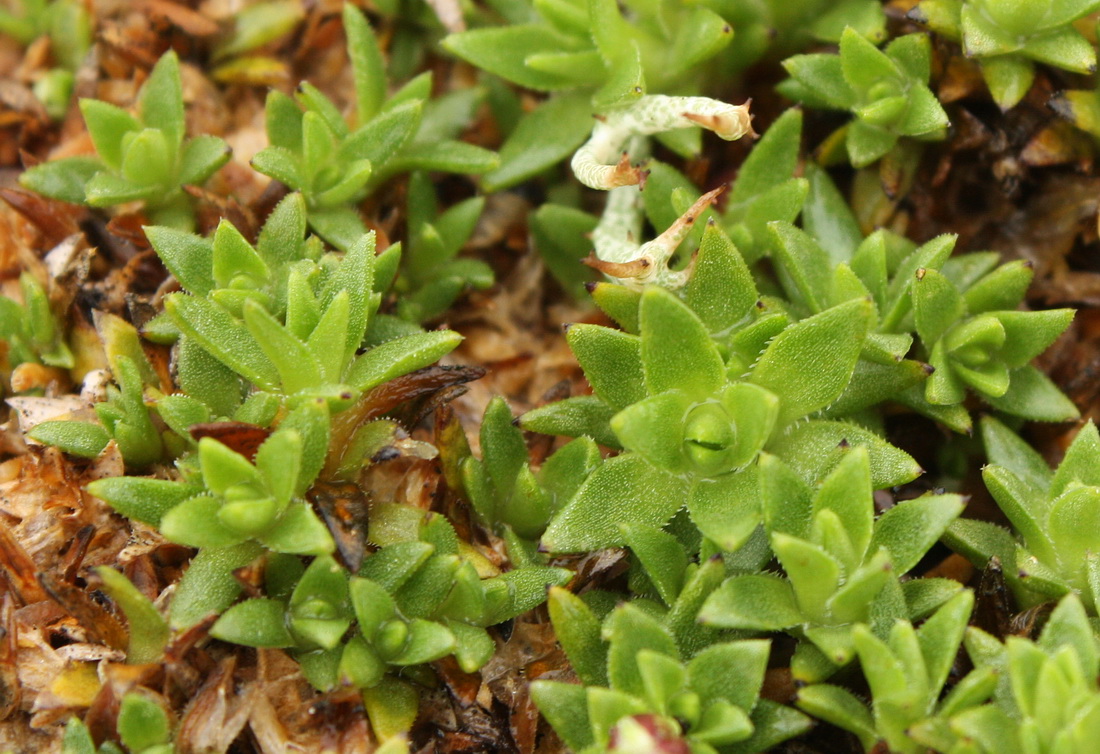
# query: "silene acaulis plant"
298,456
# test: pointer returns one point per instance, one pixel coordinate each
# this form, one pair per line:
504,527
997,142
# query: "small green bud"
249,516
316,609
883,89
391,638
709,436
686,706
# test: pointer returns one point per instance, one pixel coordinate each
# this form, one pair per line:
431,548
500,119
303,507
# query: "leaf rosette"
721,433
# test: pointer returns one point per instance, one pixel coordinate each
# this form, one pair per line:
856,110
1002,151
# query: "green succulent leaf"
565,706
217,331
143,724
815,448
810,363
909,529
82,439
630,631
400,356
676,350
612,363
256,622
578,630
841,708
63,179
626,490
208,586
148,630
755,601
545,136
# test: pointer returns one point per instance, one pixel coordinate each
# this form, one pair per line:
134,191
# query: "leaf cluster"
123,416
1051,514
978,340
433,276
642,688
706,384
1008,38
30,329
139,157
886,90
591,54
284,316
417,599
906,672
841,564
1044,693
502,487
335,165
68,26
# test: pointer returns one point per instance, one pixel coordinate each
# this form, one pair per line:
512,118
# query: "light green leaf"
391,706
79,438
662,556
940,636
625,489
612,363
160,101
841,708
208,586
201,158
804,266
63,179
677,352
578,630
654,428
631,630
758,602
299,369
254,623
1032,395
733,671
726,509
814,573
1028,334
565,706
143,724
1005,448
217,331
910,528
195,522
428,641
822,75
367,64
148,630
502,51
827,217
721,290
400,356
810,363
107,124
815,448
1009,78
299,531
584,415
141,498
